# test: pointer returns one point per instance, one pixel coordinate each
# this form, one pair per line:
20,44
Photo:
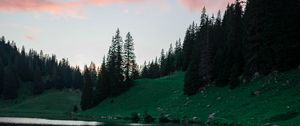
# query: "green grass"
51,104
278,101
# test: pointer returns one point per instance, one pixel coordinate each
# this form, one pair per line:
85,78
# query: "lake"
39,121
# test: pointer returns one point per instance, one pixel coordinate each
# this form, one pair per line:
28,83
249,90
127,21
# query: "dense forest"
37,71
116,74
252,39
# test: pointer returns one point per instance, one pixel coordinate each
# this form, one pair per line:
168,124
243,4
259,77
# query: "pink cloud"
210,5
29,37
55,8
109,2
71,8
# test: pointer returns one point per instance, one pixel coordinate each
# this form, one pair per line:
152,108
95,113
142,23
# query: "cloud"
210,5
110,2
69,8
75,8
29,37
55,8
31,33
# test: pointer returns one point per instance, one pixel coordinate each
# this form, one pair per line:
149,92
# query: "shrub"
148,118
75,108
135,117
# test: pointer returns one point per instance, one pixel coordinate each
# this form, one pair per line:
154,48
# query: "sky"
81,30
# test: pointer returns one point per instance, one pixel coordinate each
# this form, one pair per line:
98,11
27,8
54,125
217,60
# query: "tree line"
116,74
166,64
36,71
242,45
250,39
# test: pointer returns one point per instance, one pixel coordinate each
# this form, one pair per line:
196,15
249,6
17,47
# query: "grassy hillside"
51,104
273,99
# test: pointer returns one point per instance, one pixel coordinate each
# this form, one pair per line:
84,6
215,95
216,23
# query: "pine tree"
87,90
103,86
237,46
205,44
135,71
218,42
178,55
145,72
230,60
170,61
188,44
115,65
129,58
93,73
163,63
77,78
156,71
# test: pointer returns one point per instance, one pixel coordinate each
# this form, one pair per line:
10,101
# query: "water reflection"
38,121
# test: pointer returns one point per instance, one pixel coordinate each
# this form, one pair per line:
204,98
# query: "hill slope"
51,104
273,99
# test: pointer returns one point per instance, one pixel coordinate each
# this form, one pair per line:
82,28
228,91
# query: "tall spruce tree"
188,45
87,90
178,55
236,42
163,63
93,73
170,61
129,58
145,72
103,86
115,64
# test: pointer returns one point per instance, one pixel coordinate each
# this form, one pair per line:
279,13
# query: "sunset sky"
81,30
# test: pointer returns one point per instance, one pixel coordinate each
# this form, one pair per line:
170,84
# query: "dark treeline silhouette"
242,45
253,38
37,71
116,74
168,63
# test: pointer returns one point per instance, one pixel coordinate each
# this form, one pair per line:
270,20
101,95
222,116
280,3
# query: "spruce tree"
115,65
93,73
144,73
135,71
170,61
178,55
87,90
103,86
163,63
188,44
129,58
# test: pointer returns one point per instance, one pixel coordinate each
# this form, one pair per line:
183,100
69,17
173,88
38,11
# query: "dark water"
16,121
20,121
